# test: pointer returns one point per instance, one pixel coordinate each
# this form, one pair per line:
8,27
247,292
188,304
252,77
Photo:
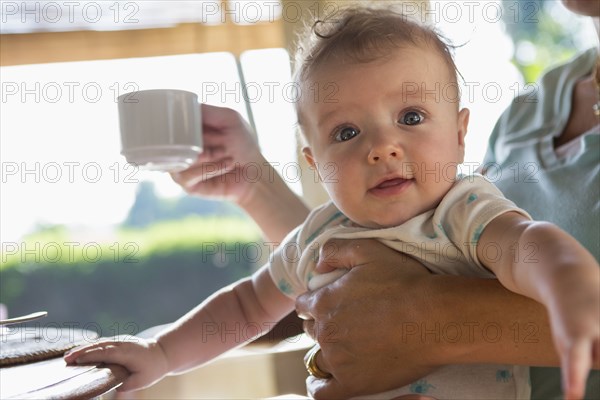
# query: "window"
68,197
503,46
271,96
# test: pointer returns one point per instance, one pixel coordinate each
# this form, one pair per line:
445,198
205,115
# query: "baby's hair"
362,34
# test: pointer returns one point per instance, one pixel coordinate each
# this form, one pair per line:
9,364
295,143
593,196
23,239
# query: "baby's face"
386,137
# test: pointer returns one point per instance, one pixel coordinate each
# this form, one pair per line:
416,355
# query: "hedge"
144,278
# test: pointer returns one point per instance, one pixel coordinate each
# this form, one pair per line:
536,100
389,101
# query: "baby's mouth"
390,182
390,186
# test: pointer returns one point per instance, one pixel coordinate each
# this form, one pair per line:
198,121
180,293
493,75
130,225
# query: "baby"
393,130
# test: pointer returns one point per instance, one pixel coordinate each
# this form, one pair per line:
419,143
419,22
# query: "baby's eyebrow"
415,90
324,118
301,118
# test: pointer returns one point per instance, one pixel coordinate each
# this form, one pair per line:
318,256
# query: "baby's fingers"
103,352
71,355
576,364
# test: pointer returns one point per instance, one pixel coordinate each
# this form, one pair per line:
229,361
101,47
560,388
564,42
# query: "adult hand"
231,167
230,148
359,320
387,322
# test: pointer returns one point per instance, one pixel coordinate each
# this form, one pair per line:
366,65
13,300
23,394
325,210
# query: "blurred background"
102,245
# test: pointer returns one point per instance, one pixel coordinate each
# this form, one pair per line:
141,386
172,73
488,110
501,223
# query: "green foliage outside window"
149,272
541,39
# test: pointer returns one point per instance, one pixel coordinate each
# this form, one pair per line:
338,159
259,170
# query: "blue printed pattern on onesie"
421,386
284,286
503,375
477,234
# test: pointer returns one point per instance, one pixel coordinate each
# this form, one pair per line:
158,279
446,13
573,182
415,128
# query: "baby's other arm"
539,260
250,308
230,318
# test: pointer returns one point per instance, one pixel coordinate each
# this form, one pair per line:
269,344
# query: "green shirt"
523,164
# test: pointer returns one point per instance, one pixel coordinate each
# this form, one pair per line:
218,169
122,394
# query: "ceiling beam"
47,47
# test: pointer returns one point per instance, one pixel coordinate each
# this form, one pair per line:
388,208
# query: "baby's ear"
308,156
463,123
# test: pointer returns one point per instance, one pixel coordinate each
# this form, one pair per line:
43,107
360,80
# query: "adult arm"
220,171
386,323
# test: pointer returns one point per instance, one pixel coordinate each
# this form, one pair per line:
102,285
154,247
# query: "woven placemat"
29,344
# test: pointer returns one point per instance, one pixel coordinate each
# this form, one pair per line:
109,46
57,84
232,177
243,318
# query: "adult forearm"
480,321
273,206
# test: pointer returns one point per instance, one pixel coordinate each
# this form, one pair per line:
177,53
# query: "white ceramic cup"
160,129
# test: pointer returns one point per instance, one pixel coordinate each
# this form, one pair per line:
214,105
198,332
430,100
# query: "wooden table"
55,380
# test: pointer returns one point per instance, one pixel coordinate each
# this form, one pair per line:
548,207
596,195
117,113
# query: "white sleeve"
282,265
471,204
292,264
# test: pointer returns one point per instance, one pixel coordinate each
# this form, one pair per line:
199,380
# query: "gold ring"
311,364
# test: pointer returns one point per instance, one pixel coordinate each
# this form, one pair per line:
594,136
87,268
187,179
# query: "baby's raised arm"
539,260
229,318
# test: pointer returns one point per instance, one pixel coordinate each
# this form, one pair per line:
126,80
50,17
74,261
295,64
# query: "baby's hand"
143,358
575,319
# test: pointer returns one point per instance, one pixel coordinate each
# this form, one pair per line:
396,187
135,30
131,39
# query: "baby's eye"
345,134
411,118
